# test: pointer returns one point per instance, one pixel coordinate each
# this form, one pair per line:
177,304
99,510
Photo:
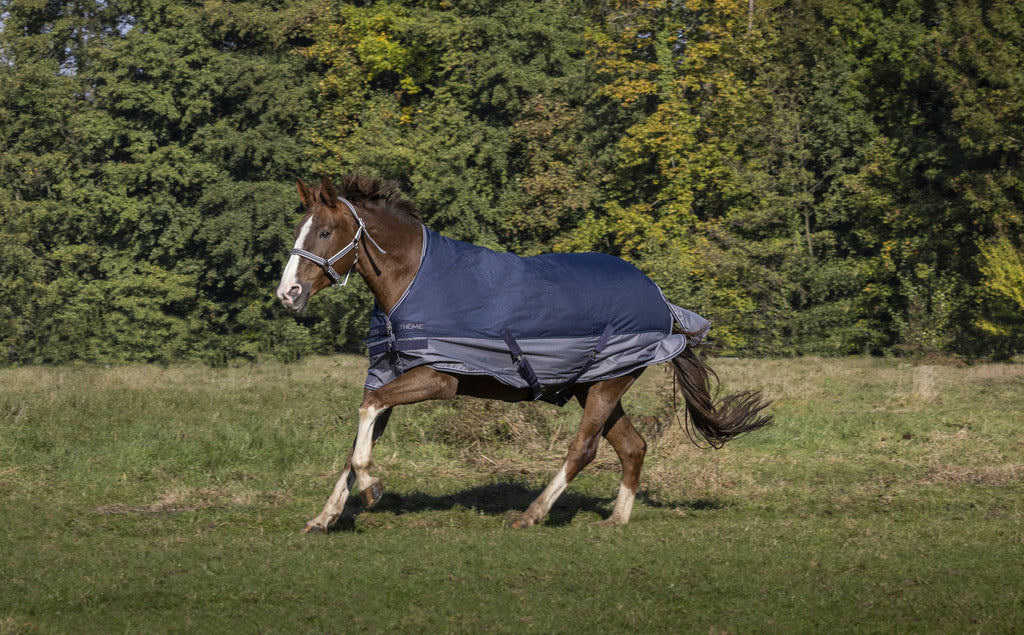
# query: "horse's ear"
305,194
327,191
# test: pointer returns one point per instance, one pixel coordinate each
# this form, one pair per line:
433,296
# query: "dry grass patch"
994,475
178,500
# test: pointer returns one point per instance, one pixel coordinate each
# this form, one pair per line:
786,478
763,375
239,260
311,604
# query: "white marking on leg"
364,446
553,490
288,279
356,469
623,506
539,508
336,503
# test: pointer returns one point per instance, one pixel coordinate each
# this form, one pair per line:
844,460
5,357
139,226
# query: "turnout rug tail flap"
543,322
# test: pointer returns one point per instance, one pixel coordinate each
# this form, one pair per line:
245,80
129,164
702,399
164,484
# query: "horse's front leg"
372,421
419,384
372,493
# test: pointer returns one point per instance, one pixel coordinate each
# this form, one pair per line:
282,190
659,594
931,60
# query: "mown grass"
888,497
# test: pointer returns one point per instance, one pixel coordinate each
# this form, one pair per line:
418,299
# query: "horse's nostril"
294,291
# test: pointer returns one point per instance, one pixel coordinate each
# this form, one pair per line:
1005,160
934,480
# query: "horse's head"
326,245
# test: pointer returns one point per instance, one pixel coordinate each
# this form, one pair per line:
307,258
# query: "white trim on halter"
327,264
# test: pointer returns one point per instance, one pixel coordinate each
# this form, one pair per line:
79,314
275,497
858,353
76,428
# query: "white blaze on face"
288,279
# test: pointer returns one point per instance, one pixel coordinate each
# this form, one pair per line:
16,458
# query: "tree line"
815,176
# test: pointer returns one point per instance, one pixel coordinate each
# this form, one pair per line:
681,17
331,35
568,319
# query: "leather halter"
327,264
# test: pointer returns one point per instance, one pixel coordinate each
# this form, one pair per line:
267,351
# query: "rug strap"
396,345
522,364
561,396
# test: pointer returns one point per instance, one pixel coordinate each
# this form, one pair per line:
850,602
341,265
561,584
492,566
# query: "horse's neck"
389,275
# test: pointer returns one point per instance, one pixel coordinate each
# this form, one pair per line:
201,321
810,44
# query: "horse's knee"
372,405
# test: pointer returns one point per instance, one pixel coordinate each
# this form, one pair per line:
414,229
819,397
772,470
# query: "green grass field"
887,497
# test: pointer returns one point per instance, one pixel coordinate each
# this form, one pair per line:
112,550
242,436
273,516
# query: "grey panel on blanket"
553,360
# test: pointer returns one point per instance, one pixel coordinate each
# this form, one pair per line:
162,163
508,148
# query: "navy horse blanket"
543,322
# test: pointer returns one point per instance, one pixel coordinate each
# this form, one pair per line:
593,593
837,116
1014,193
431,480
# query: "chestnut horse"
367,227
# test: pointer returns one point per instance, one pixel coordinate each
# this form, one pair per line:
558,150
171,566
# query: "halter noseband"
327,264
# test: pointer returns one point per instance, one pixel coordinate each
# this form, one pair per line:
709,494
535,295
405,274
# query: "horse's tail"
716,420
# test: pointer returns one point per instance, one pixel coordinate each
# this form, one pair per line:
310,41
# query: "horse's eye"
325,233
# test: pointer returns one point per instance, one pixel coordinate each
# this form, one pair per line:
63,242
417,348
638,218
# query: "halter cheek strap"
327,264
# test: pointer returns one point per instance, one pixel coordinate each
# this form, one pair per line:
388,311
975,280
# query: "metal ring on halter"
327,264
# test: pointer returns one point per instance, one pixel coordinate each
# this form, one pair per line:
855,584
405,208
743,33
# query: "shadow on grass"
509,498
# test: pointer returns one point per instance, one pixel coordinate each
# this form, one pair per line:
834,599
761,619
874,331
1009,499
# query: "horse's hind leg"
632,449
600,401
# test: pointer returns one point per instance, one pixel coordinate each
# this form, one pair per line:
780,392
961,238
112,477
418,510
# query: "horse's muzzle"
294,296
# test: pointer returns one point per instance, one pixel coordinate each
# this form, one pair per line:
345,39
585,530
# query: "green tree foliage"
942,170
679,76
833,165
1002,292
147,150
817,176
789,233
482,109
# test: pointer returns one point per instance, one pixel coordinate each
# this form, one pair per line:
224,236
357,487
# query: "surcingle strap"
561,396
522,364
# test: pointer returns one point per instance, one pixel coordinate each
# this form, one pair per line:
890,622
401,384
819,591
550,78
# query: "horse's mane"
357,188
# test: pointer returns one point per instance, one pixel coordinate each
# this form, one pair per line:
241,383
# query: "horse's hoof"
313,528
608,522
373,493
521,523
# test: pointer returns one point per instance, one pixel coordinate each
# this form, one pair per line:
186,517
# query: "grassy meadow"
887,497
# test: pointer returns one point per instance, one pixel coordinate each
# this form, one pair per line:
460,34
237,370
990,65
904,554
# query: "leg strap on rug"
562,396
